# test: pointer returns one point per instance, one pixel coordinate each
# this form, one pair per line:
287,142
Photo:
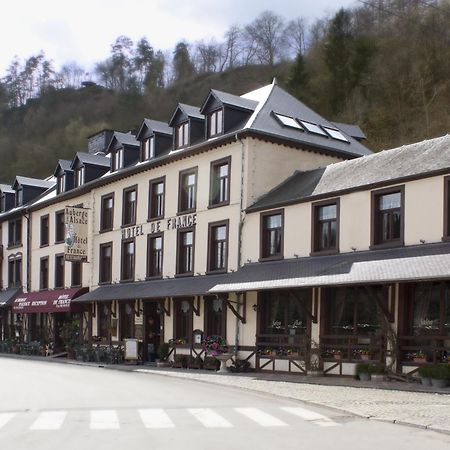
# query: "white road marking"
209,418
104,420
5,418
155,418
49,420
261,417
311,416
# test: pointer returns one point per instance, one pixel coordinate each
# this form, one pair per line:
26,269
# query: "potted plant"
419,357
211,363
440,375
337,354
363,371
163,354
365,354
70,334
425,374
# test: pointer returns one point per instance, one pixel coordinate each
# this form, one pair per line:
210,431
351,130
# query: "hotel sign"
76,222
173,223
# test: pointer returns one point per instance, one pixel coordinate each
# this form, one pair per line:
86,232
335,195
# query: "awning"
424,262
7,296
173,287
59,300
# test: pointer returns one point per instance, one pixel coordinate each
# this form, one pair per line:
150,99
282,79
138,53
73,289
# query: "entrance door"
152,330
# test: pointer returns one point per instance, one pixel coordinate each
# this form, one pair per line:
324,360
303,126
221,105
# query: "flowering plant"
215,345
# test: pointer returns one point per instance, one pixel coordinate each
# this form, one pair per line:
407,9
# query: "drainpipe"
27,249
239,255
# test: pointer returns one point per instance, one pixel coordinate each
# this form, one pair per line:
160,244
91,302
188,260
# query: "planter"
223,358
364,376
366,357
439,383
338,357
426,381
420,360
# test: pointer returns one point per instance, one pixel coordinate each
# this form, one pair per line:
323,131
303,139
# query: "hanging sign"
76,221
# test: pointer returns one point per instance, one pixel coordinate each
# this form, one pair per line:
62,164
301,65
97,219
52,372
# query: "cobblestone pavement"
426,410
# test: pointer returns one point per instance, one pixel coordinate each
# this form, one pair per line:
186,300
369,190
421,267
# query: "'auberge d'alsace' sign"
76,221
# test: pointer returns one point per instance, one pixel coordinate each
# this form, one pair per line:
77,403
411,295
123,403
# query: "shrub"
426,370
362,368
440,372
163,351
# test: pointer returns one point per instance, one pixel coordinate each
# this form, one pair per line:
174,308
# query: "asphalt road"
55,406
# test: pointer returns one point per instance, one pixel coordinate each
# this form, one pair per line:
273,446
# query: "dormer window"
2,203
182,135
60,183
19,196
215,123
79,176
148,148
117,160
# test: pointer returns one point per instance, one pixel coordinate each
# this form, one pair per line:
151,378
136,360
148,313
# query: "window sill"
153,219
186,211
105,230
324,252
155,277
44,245
218,205
127,280
126,225
270,258
215,272
104,283
385,245
183,275
59,242
13,246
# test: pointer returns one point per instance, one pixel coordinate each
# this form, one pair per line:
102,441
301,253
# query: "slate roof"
173,287
280,101
413,263
232,100
65,165
6,188
124,139
157,126
424,157
352,130
96,160
7,296
35,182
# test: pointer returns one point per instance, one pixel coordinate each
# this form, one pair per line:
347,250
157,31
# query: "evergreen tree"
298,78
182,64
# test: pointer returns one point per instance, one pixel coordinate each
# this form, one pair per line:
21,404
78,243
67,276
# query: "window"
325,227
148,148
185,252
182,135
105,266
129,206
182,319
77,274
104,320
3,203
59,271
353,310
59,227
60,183
220,182
388,222
43,274
336,134
79,176
15,233
215,123
44,230
218,246
215,317
272,235
127,261
19,196
15,272
313,128
154,255
156,199
117,160
187,195
107,213
288,121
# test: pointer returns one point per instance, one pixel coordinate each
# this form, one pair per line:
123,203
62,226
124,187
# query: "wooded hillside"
384,65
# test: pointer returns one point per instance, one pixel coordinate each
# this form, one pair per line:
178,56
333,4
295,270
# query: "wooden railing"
352,347
436,349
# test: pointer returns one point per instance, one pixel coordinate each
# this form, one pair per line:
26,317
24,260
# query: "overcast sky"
83,31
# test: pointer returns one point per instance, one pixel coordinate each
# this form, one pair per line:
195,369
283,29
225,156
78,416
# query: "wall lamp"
255,307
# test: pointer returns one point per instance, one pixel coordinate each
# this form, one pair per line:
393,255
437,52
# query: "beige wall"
424,215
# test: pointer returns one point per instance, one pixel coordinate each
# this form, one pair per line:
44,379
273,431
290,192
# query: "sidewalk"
396,402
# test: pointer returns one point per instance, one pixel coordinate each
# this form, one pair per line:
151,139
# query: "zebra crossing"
157,418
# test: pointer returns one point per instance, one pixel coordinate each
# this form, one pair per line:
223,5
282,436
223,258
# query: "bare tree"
207,56
266,34
231,48
71,75
295,33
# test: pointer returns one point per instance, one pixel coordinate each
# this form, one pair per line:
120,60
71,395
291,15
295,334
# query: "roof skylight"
336,134
313,128
288,121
